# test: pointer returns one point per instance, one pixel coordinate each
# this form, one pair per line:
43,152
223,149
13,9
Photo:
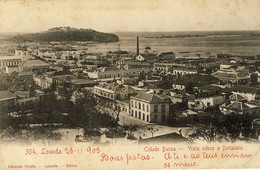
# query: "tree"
189,88
130,129
116,133
222,128
86,114
152,130
92,135
44,135
208,133
109,106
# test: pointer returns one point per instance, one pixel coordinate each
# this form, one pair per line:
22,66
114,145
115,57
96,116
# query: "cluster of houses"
135,81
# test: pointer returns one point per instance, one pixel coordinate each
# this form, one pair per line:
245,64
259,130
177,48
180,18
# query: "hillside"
66,34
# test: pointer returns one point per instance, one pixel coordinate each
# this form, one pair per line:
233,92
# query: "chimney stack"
137,48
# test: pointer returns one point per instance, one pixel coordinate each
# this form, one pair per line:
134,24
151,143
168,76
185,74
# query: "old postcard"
140,84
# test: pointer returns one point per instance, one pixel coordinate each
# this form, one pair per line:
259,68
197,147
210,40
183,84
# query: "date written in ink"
66,150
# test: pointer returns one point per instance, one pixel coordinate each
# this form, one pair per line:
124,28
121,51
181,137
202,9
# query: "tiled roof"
152,98
197,78
236,97
31,63
82,81
239,106
229,75
246,89
6,95
116,87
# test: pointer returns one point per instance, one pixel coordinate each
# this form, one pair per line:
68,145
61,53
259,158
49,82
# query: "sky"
130,15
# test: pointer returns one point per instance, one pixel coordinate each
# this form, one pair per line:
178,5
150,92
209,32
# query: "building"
114,91
30,65
232,75
117,94
171,138
206,96
9,61
205,102
240,108
28,100
81,83
21,54
111,72
166,55
7,101
149,107
10,69
194,80
249,93
94,59
128,80
181,70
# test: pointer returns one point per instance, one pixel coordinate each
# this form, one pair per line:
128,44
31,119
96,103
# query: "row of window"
141,116
11,103
183,72
6,104
139,105
19,53
11,63
114,75
104,94
145,107
109,76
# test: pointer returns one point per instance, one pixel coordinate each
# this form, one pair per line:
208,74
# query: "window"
163,108
139,116
139,106
135,104
143,107
147,118
147,108
132,113
155,118
155,108
143,116
136,114
163,118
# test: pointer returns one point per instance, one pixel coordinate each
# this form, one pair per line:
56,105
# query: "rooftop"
246,89
240,106
32,63
151,98
4,95
167,138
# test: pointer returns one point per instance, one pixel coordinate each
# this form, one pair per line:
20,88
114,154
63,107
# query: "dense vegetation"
67,34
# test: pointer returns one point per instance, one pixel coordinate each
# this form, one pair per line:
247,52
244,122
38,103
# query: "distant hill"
66,34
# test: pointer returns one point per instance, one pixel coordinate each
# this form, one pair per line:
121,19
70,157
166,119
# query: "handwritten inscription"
189,156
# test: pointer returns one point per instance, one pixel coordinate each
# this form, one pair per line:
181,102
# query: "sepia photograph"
140,84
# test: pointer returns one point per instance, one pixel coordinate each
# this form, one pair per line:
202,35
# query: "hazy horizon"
180,31
130,16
